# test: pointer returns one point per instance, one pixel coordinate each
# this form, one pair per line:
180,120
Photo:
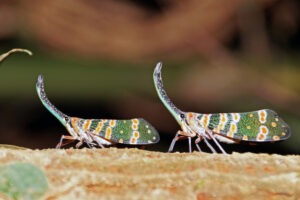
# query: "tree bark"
113,173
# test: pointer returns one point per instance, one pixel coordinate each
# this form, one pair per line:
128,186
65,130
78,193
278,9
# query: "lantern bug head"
177,114
64,119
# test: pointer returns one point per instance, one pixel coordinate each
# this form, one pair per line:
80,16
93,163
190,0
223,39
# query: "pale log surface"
113,173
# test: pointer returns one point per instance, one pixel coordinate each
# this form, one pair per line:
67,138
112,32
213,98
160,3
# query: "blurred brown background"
97,58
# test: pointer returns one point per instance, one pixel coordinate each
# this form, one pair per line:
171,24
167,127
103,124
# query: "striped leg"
69,139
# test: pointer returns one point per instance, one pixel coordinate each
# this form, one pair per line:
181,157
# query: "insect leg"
196,143
190,144
66,137
95,139
78,144
91,146
179,135
207,143
214,139
173,142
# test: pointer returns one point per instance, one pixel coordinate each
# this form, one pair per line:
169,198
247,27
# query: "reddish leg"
180,135
69,139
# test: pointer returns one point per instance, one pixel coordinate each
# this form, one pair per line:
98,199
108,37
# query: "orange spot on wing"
261,137
136,134
236,116
262,114
99,127
233,127
274,124
245,137
112,123
275,137
205,122
135,121
87,124
264,130
132,141
108,133
221,126
262,119
134,126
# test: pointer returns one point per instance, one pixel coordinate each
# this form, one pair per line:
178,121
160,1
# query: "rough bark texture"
138,174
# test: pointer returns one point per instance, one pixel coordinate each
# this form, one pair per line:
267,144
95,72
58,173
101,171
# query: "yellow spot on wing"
136,134
264,130
99,127
149,131
283,133
87,124
133,141
245,137
108,133
250,115
248,127
230,134
260,137
275,137
276,119
121,131
112,123
121,141
134,126
274,124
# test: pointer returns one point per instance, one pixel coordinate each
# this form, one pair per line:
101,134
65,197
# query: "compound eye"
182,116
66,119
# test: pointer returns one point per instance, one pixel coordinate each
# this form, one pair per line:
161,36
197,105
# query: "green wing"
257,126
130,131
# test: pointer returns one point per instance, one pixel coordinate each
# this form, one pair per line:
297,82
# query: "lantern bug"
257,126
100,132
